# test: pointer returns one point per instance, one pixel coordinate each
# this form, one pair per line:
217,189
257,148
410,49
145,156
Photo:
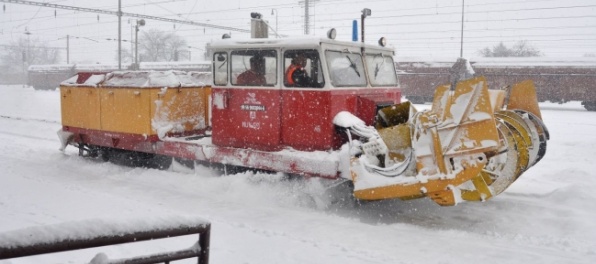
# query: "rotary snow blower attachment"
470,146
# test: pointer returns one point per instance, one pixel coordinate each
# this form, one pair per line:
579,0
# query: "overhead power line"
115,13
32,47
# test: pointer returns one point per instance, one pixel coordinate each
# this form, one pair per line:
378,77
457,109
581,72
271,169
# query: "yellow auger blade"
523,140
502,169
523,96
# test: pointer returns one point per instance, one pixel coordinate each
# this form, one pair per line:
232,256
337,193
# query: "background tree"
519,49
158,45
127,56
24,52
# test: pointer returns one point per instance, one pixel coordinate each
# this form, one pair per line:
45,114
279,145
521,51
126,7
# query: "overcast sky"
422,28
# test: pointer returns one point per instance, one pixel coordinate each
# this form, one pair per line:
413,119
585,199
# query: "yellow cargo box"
146,103
79,98
80,107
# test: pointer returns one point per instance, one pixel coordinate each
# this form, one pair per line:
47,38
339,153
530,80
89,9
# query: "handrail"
199,250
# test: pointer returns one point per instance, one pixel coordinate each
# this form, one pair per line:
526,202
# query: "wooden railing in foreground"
200,250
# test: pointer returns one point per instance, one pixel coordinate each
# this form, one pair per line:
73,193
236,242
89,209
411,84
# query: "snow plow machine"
339,118
470,146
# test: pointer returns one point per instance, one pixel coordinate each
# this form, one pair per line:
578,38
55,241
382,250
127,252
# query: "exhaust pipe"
258,26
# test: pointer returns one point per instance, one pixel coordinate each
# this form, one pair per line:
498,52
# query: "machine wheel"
134,158
86,150
590,106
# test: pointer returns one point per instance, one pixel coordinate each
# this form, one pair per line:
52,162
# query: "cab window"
302,68
220,68
254,67
345,69
381,70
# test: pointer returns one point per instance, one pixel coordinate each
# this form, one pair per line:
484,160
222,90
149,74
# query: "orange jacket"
289,73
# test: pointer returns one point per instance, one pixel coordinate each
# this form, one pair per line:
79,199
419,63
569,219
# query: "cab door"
306,122
246,111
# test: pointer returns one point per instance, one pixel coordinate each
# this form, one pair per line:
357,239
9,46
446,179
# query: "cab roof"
291,42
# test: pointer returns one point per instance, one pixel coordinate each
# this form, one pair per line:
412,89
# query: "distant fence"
54,240
556,80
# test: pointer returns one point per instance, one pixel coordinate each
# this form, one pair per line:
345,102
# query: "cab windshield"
346,69
381,70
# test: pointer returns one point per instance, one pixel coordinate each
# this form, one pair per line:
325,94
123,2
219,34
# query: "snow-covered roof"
93,80
290,42
203,78
51,67
98,67
152,79
178,65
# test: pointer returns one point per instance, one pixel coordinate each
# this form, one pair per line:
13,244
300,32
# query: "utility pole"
276,24
119,34
68,45
461,49
132,28
67,49
306,18
306,14
140,23
27,54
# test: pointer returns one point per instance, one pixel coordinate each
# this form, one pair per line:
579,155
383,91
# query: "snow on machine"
313,107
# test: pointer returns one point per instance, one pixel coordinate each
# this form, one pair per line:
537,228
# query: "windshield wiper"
377,68
353,65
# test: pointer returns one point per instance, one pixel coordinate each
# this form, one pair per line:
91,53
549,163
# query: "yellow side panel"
415,189
80,107
126,110
181,106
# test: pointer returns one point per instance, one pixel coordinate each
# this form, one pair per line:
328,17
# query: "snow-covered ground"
547,216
